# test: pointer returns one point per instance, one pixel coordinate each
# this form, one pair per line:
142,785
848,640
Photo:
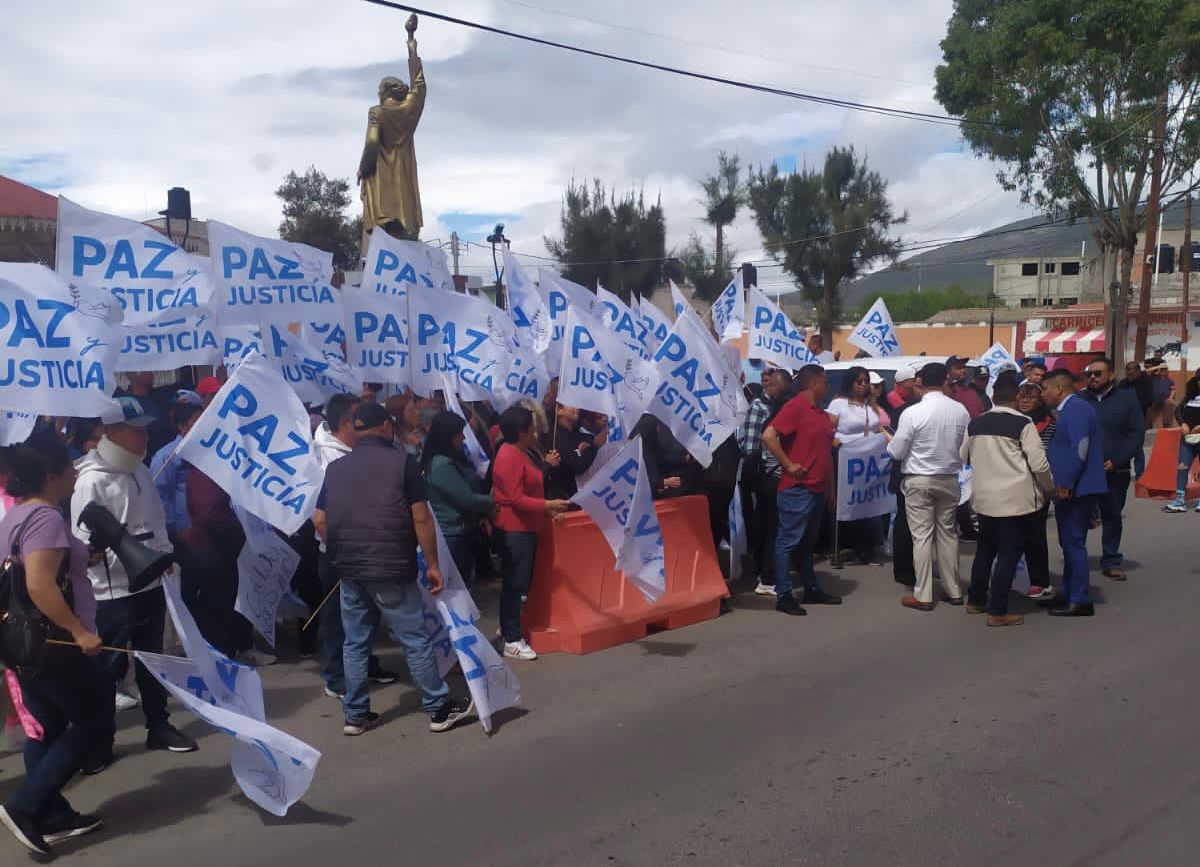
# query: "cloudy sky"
112,103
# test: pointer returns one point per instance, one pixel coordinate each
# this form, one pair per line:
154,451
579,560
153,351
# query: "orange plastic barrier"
579,604
1158,481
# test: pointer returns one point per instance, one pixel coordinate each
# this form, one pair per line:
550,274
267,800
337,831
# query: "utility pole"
1153,206
454,251
1187,285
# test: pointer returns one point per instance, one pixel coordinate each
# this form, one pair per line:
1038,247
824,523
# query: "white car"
835,371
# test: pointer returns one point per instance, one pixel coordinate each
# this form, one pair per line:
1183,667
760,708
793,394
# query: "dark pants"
1037,549
70,704
1001,543
903,569
137,622
1112,504
764,528
1074,517
306,581
462,551
861,536
209,583
517,553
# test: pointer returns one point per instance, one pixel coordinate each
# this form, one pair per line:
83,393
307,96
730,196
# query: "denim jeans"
800,512
1112,504
135,621
399,608
1187,455
517,554
1001,542
1073,517
70,705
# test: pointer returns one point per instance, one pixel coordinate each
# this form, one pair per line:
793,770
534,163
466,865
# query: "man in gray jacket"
1011,484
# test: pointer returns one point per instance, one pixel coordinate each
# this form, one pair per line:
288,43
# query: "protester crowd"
1037,443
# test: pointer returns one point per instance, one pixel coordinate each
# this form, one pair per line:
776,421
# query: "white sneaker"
329,693
519,650
256,658
764,589
125,701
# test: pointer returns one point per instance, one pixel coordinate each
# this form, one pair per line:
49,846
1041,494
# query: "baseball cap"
370,415
208,385
955,361
126,410
186,395
905,373
874,378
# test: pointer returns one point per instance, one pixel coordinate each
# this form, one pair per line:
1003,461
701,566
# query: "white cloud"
119,101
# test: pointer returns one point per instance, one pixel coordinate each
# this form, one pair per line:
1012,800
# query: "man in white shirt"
928,443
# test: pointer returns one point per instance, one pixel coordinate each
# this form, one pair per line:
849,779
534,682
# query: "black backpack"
23,628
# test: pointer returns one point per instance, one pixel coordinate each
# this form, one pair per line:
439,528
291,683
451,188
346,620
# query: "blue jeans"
800,513
70,703
1073,517
1187,455
517,554
1112,504
399,607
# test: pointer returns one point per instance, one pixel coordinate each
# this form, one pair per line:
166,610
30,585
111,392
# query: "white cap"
874,378
126,410
905,373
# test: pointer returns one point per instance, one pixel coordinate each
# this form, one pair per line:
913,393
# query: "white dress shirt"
928,441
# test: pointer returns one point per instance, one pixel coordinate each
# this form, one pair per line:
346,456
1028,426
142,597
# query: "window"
1047,302
1049,267
1070,269
1029,269
1029,302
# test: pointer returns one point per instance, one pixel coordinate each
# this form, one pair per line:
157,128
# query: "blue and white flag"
739,542
314,374
561,294
469,338
656,324
864,478
394,266
875,334
773,337
170,343
996,360
698,396
475,453
528,378
377,333
267,280
526,305
255,442
16,427
618,498
623,322
151,278
729,310
265,565
600,373
60,340
678,300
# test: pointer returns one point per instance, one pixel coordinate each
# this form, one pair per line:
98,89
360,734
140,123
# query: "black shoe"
167,737
1053,602
378,674
97,764
68,825
23,827
1083,610
355,727
451,711
953,600
820,597
789,605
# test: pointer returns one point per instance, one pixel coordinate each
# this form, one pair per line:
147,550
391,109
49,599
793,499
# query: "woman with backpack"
60,690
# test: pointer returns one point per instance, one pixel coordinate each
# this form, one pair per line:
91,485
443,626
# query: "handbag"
23,627
1192,439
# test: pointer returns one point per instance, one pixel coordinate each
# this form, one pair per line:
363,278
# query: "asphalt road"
860,735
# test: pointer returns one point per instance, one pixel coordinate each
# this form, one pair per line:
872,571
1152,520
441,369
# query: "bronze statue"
387,172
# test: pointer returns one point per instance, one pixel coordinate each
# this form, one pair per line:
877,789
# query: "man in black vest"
372,513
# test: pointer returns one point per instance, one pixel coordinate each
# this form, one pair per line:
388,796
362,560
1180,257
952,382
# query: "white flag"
16,427
618,498
255,442
151,278
469,338
623,322
996,360
864,478
525,304
60,343
266,564
561,294
773,337
698,395
738,541
528,377
729,310
394,266
314,374
170,343
600,373
656,323
678,300
875,334
377,332
259,280
475,453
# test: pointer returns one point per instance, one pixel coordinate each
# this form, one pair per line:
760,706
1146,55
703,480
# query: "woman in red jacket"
518,486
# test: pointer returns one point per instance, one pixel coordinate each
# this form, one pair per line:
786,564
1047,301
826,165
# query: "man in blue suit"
1076,456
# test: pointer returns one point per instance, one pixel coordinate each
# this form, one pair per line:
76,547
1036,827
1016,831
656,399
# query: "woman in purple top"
64,694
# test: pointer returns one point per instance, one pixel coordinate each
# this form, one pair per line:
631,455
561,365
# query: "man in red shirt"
801,439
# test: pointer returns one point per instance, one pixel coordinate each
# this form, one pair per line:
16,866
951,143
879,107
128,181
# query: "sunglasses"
1092,374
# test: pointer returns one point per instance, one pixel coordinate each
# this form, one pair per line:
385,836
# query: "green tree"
919,306
620,242
703,269
724,195
1064,95
314,213
826,226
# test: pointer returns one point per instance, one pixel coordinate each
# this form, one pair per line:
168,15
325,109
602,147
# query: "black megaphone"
142,564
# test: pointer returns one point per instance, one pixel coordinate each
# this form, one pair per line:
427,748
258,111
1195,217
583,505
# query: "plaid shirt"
749,438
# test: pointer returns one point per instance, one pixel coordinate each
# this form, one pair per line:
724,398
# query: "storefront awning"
1064,341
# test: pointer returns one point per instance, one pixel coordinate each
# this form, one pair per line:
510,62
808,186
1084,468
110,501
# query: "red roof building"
28,219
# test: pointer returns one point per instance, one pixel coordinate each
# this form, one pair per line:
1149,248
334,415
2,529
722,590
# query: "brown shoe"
916,604
976,609
1005,620
1114,574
